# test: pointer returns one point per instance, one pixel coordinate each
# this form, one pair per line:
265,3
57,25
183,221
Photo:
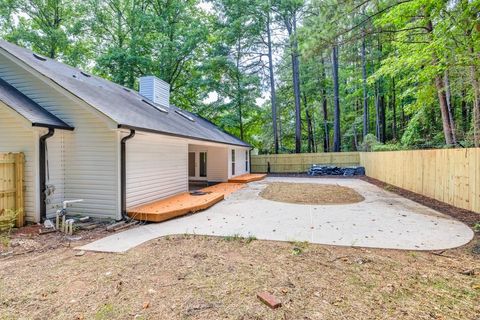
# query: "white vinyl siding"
156,168
217,161
90,153
55,169
16,136
239,161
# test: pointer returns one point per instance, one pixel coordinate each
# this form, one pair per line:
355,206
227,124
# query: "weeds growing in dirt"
7,222
299,247
476,227
239,238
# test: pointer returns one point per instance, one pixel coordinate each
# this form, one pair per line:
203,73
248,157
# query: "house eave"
50,126
125,126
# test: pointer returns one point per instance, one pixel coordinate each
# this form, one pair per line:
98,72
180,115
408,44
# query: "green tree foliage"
408,70
54,28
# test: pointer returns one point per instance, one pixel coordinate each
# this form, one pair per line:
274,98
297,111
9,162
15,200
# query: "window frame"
233,161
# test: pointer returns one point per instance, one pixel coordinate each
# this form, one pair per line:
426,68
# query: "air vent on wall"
186,116
156,106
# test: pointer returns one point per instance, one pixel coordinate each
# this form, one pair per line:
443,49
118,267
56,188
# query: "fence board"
11,184
295,163
448,175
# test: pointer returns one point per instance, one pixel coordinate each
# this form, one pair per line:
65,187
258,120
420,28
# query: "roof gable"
29,109
124,106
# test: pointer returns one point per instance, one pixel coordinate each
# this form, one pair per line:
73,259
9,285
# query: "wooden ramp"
248,177
183,203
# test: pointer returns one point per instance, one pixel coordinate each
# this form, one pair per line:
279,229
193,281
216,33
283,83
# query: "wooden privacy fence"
11,184
448,175
294,163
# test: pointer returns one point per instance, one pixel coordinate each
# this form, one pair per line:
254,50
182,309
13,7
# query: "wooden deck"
248,177
183,203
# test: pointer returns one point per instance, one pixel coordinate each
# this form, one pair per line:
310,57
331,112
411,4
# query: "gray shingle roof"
122,105
27,108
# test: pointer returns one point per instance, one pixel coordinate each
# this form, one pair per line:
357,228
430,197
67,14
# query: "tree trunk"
377,112
326,130
273,98
336,121
239,91
310,133
365,93
464,111
292,32
379,101
442,98
394,110
476,104
448,97
383,120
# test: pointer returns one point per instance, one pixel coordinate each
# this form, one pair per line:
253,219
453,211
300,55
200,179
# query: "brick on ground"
269,299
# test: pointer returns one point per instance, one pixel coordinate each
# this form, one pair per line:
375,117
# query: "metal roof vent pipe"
155,90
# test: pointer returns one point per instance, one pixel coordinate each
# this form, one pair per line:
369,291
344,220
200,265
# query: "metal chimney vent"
155,90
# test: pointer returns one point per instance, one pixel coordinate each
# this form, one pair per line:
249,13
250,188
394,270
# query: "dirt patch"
27,240
196,277
310,193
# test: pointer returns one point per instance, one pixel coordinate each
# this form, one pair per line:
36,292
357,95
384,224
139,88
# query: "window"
233,162
246,160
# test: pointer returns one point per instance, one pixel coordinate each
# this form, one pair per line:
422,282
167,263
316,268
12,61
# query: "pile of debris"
323,170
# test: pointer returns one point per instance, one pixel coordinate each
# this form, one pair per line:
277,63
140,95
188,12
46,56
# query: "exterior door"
191,164
203,164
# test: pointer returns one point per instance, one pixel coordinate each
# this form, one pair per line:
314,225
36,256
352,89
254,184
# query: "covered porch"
207,164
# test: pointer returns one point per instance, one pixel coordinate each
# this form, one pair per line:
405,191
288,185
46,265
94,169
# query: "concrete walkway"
383,220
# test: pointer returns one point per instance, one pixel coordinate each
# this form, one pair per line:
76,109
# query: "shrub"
7,220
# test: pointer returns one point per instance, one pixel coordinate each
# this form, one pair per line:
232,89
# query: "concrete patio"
383,220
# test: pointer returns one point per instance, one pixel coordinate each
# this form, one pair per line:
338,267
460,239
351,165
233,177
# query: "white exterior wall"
90,154
239,161
17,135
55,166
157,167
217,161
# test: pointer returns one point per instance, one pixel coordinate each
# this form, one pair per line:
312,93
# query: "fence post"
19,196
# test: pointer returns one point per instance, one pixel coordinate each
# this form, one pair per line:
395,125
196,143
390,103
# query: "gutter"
44,125
123,173
43,173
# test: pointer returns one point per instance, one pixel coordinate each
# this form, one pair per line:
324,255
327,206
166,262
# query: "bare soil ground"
197,277
310,193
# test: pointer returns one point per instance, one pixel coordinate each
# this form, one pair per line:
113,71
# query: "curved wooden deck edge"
173,207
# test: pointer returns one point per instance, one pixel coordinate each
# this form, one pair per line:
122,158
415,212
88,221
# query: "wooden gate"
11,185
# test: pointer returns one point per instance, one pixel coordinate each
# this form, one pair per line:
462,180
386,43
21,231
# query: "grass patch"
107,311
7,222
476,227
238,238
299,247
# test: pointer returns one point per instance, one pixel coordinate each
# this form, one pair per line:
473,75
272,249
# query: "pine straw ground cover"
197,277
310,193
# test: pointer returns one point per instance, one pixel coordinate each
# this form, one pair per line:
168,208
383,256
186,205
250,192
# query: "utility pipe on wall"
123,173
43,173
